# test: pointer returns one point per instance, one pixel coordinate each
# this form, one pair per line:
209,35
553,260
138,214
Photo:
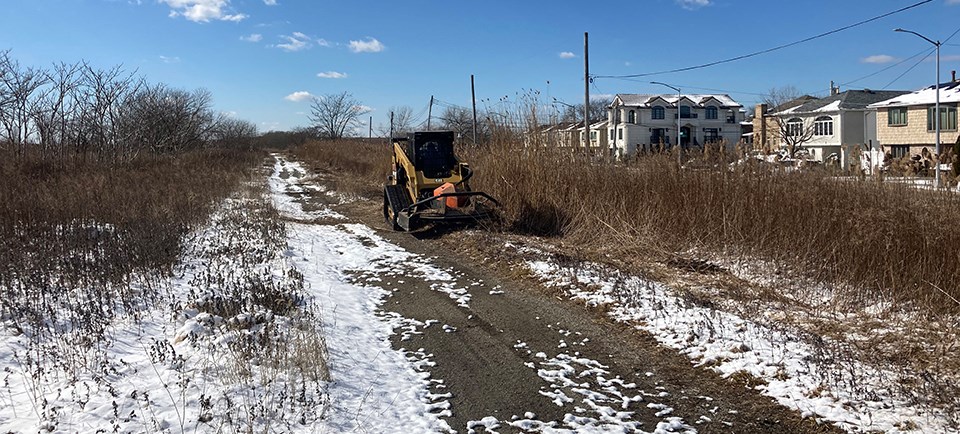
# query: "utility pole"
586,92
429,112
370,128
473,97
391,126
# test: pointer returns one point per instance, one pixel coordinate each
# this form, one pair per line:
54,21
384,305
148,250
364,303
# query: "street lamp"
679,97
936,109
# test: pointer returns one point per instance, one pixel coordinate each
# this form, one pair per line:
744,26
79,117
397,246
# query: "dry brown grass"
75,232
360,166
872,241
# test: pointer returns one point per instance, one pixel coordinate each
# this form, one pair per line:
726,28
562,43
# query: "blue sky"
256,56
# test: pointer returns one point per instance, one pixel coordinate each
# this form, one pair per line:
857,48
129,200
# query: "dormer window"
712,112
658,112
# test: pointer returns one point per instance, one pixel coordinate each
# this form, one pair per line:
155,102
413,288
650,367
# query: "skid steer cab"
428,184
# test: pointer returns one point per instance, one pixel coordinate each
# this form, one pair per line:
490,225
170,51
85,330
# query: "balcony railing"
686,115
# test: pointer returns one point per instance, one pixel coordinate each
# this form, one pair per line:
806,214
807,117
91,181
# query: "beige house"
906,124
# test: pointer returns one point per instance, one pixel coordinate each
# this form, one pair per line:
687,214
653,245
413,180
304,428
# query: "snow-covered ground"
274,324
787,366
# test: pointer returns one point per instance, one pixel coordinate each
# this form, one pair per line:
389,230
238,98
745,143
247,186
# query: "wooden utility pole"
370,128
586,92
473,97
429,112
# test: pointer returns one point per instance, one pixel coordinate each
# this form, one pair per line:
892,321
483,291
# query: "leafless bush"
110,114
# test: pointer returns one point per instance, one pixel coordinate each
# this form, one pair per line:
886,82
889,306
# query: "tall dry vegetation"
872,241
361,165
81,230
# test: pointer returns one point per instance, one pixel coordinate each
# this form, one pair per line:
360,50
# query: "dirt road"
511,356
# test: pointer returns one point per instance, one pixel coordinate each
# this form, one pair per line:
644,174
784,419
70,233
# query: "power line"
921,60
927,51
769,50
909,69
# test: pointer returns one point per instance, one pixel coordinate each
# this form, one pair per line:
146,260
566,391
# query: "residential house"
561,135
598,134
645,122
906,123
766,137
831,127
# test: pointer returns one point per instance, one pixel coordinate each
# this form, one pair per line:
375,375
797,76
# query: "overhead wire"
768,50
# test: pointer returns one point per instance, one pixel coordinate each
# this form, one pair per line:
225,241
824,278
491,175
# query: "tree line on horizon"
111,114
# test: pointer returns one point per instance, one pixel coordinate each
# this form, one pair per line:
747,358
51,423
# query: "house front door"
685,137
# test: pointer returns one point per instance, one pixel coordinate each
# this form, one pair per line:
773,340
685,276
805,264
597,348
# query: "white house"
643,122
832,125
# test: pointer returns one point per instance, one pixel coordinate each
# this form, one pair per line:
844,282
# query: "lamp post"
936,109
679,97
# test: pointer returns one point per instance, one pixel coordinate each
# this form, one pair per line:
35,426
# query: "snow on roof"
848,100
644,100
949,93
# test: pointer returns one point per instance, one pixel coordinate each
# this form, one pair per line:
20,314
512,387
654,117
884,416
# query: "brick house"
906,124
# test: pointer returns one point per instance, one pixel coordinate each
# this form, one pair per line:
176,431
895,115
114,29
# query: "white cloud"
299,96
202,11
953,2
332,74
362,109
270,2
166,59
323,42
879,58
371,45
567,55
296,42
253,37
694,4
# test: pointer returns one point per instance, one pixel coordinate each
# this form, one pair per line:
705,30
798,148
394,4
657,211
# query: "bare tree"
335,115
791,129
18,91
233,132
402,121
460,121
57,108
598,110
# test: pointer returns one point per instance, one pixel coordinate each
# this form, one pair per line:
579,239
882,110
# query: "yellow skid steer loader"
428,184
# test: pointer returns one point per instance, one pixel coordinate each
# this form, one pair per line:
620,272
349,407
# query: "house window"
712,112
711,135
610,133
948,118
593,135
620,133
823,126
897,117
795,127
684,111
632,117
658,112
899,151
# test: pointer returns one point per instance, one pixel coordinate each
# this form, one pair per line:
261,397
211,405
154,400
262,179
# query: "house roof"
644,100
949,93
849,100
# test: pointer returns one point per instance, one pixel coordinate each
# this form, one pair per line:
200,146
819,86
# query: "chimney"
953,76
834,89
